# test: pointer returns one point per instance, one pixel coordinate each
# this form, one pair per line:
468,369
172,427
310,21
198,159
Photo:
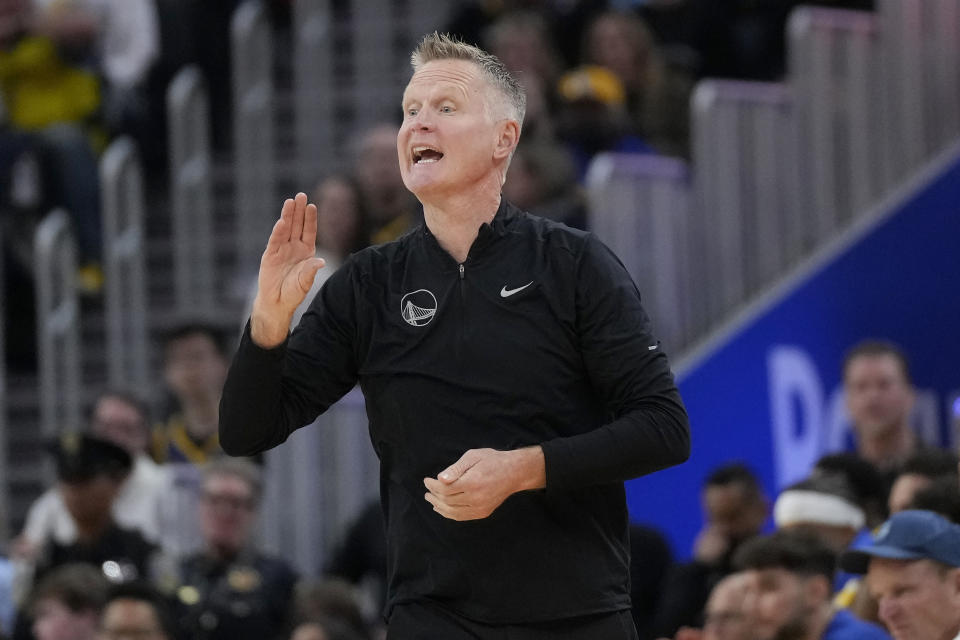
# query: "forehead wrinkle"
460,75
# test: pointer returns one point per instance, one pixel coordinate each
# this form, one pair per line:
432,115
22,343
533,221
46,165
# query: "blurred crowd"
149,532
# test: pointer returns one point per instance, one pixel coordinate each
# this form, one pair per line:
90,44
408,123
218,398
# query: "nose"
422,121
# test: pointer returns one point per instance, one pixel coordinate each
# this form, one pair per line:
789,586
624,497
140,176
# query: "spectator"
326,629
120,39
912,569
657,96
50,104
91,472
592,117
823,506
122,419
727,617
229,590
135,610
735,510
194,368
880,396
863,478
391,209
542,180
66,604
941,496
918,472
333,605
791,574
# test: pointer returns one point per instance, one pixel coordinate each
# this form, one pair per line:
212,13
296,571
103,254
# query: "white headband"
811,507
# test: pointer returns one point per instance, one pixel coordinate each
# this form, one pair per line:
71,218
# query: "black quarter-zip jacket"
538,337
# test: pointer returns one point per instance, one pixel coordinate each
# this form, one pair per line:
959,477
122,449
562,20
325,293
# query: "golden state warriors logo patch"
417,308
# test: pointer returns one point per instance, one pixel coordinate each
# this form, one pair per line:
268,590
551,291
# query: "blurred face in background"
918,599
90,502
621,44
227,512
733,511
126,618
783,602
726,614
338,216
194,368
53,620
879,397
120,422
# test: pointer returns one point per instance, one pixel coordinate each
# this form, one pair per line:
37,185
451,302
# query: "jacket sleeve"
269,393
647,428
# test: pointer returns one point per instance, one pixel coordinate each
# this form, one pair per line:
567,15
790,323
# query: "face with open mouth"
446,142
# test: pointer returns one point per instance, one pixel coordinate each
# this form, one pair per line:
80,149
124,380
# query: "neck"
455,221
887,449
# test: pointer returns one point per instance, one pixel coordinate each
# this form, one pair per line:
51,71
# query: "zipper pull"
461,271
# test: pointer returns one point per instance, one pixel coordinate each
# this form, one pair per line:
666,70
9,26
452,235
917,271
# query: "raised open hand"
287,270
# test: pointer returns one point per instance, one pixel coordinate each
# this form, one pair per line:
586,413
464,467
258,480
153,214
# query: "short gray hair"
442,46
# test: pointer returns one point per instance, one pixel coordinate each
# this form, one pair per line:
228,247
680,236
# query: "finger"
444,510
309,235
439,489
281,228
307,272
460,467
299,213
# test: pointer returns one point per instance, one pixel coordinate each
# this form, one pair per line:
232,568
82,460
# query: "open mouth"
425,155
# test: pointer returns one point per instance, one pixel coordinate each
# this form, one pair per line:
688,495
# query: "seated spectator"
326,629
135,610
66,604
542,180
122,419
792,575
735,509
332,606
391,209
919,472
194,368
229,590
941,496
657,96
880,397
863,478
592,117
727,616
912,569
91,472
823,506
51,106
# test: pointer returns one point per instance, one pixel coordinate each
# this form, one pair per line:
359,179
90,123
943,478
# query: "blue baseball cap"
908,535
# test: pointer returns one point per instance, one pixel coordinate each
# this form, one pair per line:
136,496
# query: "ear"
508,135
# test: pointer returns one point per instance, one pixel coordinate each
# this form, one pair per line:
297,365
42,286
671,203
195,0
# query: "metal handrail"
188,112
123,215
253,126
58,324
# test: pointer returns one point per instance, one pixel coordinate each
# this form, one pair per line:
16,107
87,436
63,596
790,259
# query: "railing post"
58,325
253,125
314,105
191,189
124,213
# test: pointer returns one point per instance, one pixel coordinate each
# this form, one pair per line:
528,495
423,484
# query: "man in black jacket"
511,377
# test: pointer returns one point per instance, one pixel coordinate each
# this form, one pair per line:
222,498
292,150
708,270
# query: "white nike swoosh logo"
652,347
506,293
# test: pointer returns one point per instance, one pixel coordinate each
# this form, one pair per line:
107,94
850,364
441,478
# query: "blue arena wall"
765,389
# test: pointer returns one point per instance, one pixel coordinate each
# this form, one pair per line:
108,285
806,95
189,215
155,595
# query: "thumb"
452,473
308,271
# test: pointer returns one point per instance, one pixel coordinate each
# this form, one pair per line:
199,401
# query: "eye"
446,109
411,112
